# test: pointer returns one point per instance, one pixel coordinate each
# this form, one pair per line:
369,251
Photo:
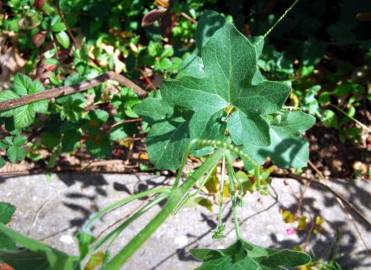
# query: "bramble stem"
69,90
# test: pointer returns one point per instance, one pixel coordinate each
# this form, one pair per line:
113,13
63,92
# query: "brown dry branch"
68,90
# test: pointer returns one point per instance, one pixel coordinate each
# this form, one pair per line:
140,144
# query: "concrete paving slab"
51,208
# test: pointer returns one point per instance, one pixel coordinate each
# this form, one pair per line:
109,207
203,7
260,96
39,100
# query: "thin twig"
303,179
353,222
74,40
352,118
318,172
68,90
189,18
281,18
127,121
36,216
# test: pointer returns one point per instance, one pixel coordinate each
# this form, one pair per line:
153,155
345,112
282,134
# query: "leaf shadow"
337,238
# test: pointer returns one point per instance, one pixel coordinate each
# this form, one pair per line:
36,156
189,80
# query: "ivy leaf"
244,255
24,116
288,148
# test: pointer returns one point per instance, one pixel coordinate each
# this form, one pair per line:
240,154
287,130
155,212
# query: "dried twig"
68,90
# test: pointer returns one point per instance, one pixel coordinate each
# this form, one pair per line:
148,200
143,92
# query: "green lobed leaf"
243,255
6,212
287,148
36,253
221,93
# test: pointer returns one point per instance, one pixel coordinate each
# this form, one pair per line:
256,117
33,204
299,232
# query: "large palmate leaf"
287,149
220,93
246,256
218,85
229,61
24,115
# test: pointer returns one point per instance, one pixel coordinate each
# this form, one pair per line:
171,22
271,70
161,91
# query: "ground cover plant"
227,99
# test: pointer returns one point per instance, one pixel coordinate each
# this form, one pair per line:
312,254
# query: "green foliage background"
323,47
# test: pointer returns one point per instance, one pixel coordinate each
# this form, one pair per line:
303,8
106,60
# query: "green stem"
91,221
175,196
117,231
184,160
281,18
221,194
233,195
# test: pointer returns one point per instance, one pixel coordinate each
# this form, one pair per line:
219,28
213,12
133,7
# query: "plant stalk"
175,196
233,195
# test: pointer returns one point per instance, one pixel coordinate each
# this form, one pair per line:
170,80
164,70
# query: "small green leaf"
4,96
63,39
100,115
57,25
2,162
71,140
15,153
118,134
22,84
24,116
99,146
50,139
329,118
6,212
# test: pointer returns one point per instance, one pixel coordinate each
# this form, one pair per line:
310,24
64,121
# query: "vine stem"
281,18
